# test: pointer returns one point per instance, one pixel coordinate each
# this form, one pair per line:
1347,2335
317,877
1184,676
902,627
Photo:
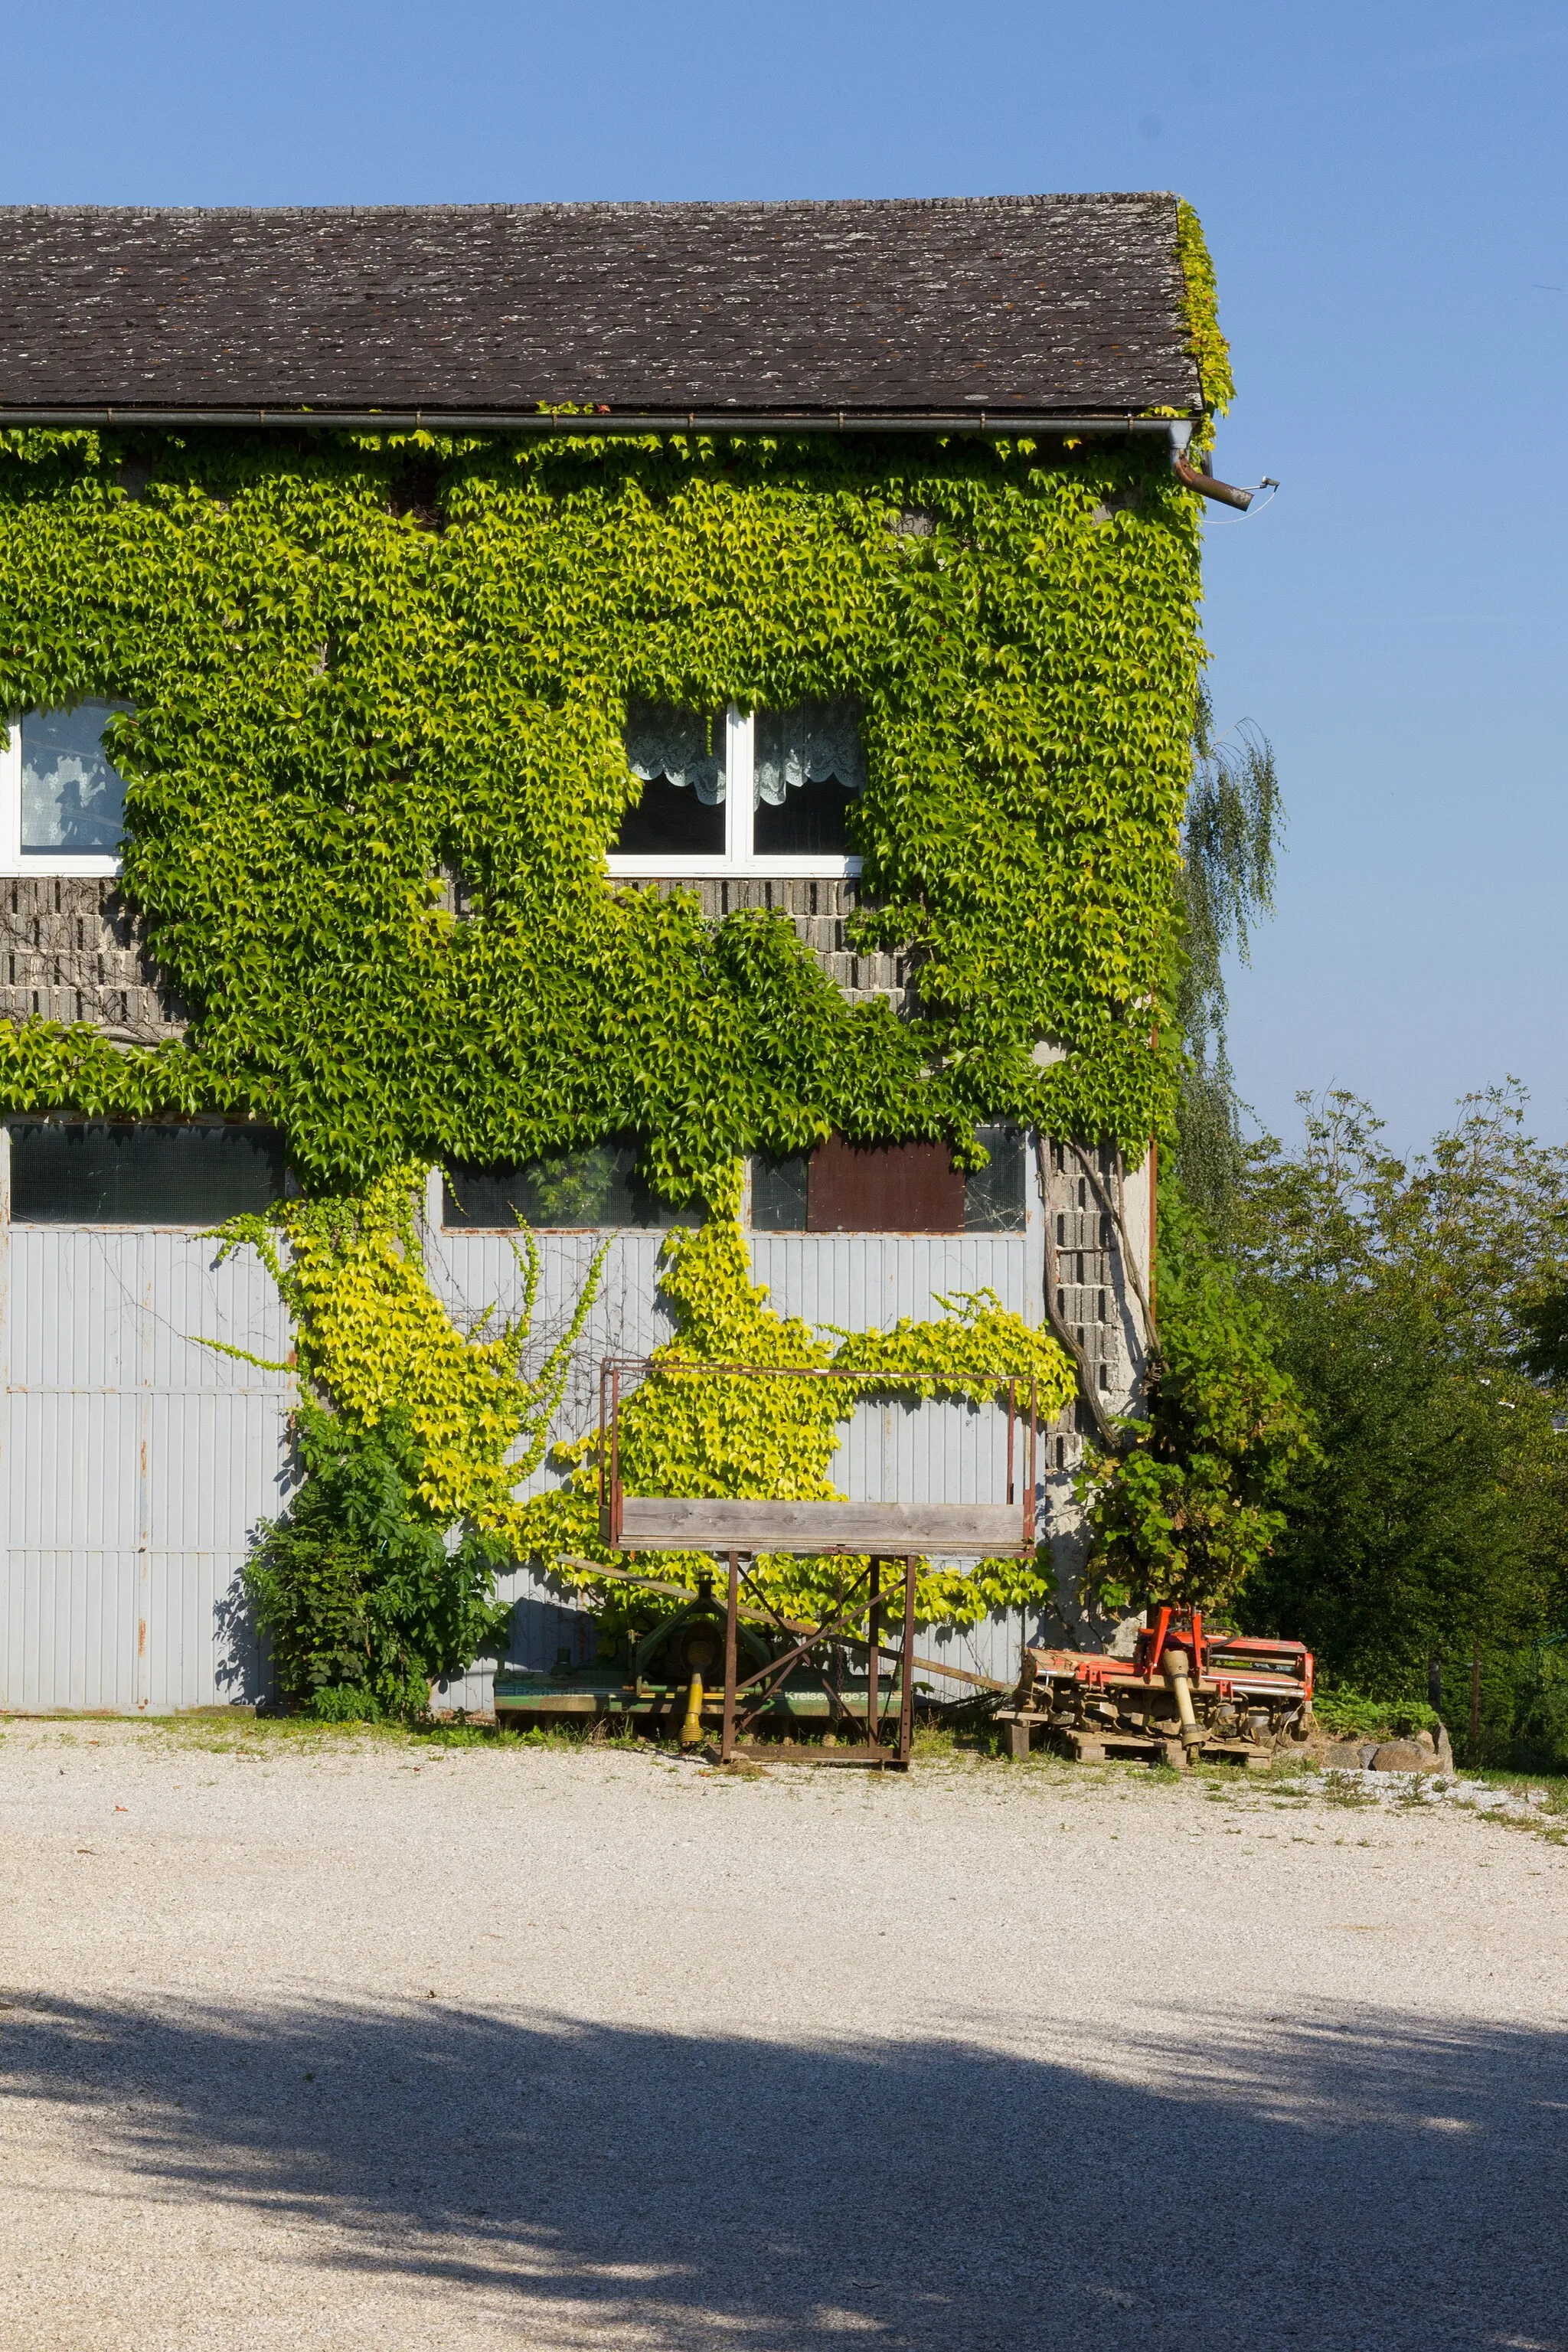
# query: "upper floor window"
737,792
62,800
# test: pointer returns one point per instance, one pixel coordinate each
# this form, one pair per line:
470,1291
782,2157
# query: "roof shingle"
1037,303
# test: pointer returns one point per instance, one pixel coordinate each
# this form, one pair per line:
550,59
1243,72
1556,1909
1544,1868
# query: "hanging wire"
1219,522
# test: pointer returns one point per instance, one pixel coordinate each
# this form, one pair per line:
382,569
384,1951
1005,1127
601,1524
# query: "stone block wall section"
819,911
72,950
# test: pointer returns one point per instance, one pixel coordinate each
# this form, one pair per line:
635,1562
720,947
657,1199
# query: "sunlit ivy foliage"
470,1424
1205,343
690,1431
358,666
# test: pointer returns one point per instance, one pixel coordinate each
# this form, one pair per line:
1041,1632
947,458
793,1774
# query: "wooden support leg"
727,1735
1018,1740
906,1666
873,1678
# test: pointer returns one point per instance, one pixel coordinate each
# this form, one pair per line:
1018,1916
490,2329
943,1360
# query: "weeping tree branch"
1230,840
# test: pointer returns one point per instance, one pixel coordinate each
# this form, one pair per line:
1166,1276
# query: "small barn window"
141,1172
736,791
908,1188
62,800
995,1196
566,1192
779,1190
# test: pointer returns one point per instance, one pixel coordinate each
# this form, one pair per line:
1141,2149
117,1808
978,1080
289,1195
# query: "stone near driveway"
1346,1754
1420,1754
1403,1756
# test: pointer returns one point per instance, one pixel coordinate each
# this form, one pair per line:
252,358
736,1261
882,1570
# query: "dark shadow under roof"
1033,304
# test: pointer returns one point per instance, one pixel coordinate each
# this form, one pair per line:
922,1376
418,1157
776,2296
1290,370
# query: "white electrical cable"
1217,522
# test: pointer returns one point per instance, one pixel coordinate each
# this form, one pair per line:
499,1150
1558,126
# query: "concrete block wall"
72,950
819,911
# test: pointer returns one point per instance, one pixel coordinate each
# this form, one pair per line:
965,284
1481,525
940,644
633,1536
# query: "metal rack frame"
880,1534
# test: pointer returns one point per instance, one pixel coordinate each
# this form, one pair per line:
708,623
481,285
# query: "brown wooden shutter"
884,1188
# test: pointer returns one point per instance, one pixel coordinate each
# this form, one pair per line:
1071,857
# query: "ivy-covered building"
661,716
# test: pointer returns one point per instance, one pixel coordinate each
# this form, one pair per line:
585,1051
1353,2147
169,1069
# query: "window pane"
809,765
778,1196
994,1196
809,823
141,1173
667,822
565,1191
679,756
72,800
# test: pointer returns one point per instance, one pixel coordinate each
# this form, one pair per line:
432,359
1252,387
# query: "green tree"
1189,1503
1430,1520
1187,1512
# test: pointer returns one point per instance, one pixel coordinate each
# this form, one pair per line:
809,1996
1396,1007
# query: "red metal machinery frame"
880,1534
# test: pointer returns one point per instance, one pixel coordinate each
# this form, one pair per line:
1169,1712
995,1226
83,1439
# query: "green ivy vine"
1200,304
361,664
687,1431
468,1421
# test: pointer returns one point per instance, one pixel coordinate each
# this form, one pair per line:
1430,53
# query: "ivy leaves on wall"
690,1432
472,1422
337,706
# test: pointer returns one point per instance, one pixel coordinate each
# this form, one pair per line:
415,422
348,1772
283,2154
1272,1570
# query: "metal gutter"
1177,431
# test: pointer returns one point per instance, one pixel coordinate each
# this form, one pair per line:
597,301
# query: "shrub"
363,1598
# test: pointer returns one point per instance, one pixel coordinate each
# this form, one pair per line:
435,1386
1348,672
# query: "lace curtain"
685,747
813,743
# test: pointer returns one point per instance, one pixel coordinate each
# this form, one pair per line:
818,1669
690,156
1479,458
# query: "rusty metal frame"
844,1621
841,1624
611,1369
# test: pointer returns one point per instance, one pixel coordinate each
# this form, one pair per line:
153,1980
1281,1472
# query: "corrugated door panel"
70,1623
71,1475
221,1463
866,1281
136,1463
994,1647
930,1451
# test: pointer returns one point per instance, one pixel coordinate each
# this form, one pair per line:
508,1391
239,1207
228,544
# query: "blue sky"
1383,188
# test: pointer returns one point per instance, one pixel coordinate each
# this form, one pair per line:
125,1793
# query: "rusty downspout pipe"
1207,488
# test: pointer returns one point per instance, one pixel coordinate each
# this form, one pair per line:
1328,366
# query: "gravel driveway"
359,2043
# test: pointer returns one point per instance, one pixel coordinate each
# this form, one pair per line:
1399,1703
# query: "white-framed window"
62,800
741,791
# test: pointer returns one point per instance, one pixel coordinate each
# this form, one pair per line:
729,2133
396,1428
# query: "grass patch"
1350,1715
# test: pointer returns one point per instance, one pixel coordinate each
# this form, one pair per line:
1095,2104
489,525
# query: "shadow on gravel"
1374,2185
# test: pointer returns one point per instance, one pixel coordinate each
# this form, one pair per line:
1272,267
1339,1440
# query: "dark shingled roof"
1020,303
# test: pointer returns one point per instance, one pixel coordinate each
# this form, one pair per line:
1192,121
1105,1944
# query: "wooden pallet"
1123,1747
787,1751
